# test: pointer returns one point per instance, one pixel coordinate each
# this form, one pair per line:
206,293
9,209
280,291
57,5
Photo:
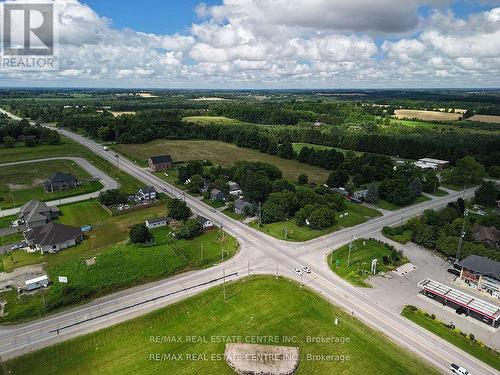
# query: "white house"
37,282
146,193
234,189
205,223
156,223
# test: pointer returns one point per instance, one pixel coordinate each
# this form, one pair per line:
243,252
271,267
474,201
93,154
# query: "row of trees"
11,131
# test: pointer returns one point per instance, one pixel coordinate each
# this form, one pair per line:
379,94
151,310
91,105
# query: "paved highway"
259,254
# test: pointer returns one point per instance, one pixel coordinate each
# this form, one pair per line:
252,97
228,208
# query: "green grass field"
69,148
21,183
357,215
300,145
5,221
11,239
257,307
362,254
440,193
455,337
121,266
225,154
385,205
212,120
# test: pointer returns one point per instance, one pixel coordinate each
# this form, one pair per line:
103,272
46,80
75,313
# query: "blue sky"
152,16
273,44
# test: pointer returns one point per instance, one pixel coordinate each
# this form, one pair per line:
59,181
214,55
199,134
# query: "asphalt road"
107,181
259,253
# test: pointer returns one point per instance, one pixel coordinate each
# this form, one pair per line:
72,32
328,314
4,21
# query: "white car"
297,271
306,269
456,369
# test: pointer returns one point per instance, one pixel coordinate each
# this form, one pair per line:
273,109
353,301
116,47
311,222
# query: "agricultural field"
291,231
258,306
120,266
225,154
426,115
20,183
362,253
69,148
485,118
300,145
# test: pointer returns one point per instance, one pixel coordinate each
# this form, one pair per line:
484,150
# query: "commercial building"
481,273
463,303
434,164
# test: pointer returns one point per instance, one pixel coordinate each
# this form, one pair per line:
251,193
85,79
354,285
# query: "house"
360,195
481,273
487,235
242,207
35,213
341,191
37,283
160,163
52,237
156,223
146,193
60,181
205,223
216,195
234,189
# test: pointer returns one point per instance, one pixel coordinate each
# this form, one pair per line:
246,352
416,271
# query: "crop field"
362,254
257,307
485,118
426,115
293,232
20,183
225,154
300,145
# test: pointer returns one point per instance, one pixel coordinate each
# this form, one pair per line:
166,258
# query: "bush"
178,209
112,197
140,234
302,179
188,229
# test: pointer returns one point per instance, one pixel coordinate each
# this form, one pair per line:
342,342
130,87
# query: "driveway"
108,182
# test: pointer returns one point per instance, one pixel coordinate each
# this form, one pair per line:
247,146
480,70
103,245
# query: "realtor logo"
28,37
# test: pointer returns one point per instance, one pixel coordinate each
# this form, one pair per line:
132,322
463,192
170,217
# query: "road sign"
63,279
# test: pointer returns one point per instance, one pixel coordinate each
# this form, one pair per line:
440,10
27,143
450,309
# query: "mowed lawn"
300,145
362,253
385,205
225,154
256,307
289,230
211,120
23,182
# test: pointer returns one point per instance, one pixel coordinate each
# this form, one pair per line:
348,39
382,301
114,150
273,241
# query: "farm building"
60,181
156,223
37,283
52,237
160,163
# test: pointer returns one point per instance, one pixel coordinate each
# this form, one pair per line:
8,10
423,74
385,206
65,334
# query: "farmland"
260,306
485,118
222,153
218,120
20,183
426,115
300,145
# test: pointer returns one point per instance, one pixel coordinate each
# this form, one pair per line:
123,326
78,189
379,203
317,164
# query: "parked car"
306,269
16,246
297,271
454,271
456,369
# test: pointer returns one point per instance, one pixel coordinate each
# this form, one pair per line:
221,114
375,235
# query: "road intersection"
259,254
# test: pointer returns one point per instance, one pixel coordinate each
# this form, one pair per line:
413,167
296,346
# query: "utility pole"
277,271
350,248
248,268
461,238
286,232
221,253
201,252
224,282
260,214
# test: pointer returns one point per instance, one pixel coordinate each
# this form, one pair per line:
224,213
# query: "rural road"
259,253
107,181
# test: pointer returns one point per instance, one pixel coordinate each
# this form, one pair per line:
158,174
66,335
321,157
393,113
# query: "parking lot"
396,291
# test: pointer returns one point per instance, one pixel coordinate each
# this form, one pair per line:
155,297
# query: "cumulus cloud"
309,43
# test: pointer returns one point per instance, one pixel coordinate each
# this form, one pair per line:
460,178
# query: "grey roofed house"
481,265
240,206
53,237
216,195
35,213
205,223
488,235
161,159
60,181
